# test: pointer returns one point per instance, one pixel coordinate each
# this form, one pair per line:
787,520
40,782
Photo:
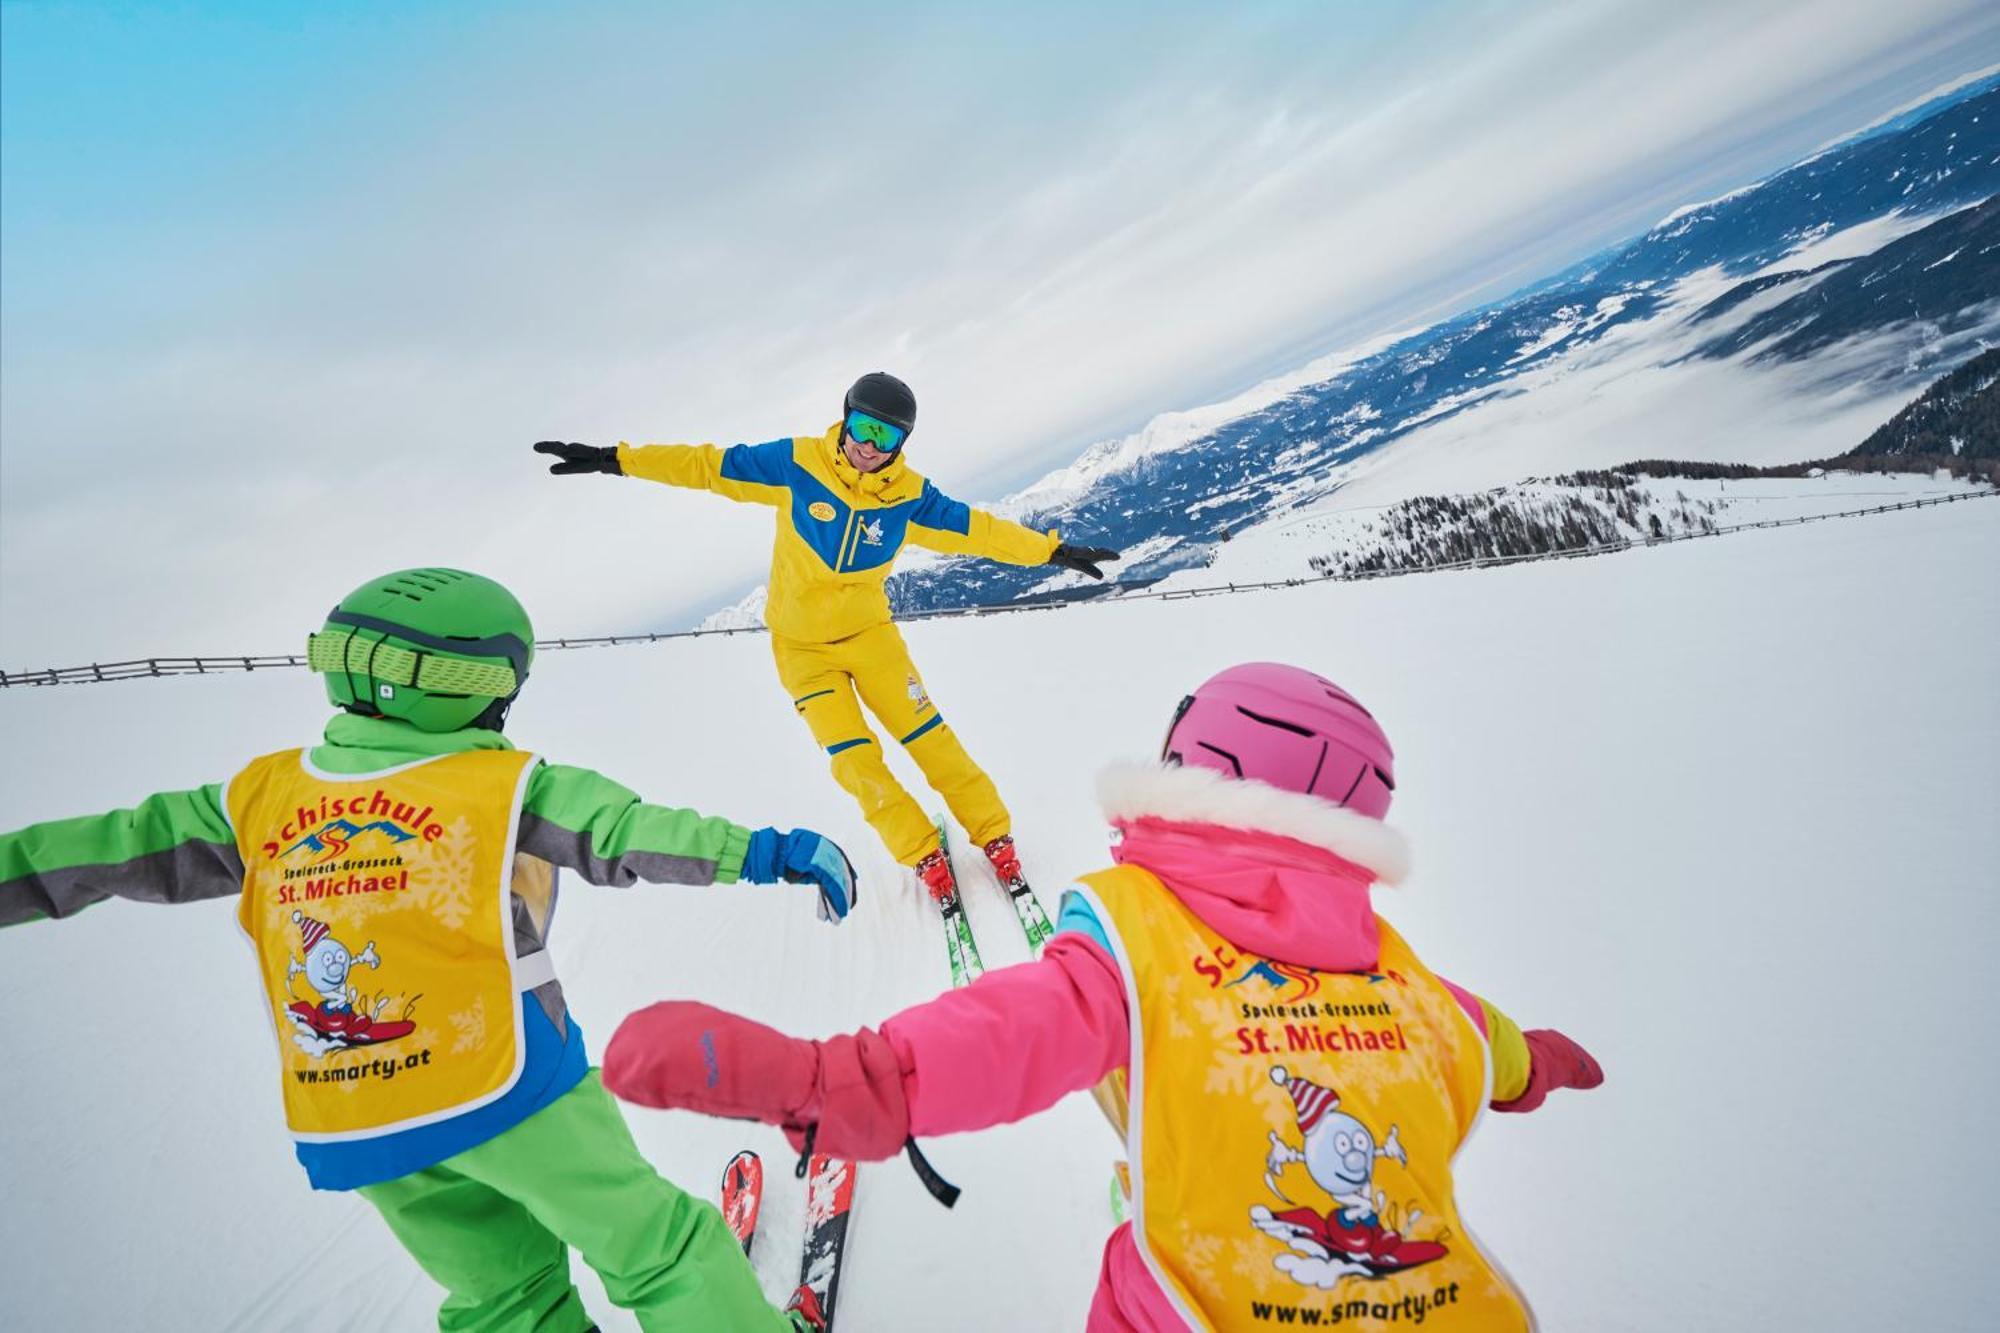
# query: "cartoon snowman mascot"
1339,1153
327,965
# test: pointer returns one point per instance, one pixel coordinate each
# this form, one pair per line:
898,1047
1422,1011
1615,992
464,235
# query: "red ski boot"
934,872
804,1308
1006,864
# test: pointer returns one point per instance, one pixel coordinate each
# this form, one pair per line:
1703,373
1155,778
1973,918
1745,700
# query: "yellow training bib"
1291,1132
377,904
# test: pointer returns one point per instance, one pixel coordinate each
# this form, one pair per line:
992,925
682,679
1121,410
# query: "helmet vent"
1278,722
415,584
1234,762
1342,697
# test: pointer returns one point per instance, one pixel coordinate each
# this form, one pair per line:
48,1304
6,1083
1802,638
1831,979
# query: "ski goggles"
342,650
875,432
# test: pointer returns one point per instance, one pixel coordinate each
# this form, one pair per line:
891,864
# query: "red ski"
829,1199
743,1195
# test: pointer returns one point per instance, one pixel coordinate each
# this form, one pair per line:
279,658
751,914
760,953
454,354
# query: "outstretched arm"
581,820
1527,1066
952,527
175,847
584,821
758,473
1012,1043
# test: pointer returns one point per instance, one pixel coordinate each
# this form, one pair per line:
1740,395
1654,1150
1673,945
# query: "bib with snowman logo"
378,907
1291,1131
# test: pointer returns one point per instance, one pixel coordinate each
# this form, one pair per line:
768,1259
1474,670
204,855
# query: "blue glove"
804,857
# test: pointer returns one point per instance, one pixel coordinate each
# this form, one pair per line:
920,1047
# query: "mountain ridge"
1168,493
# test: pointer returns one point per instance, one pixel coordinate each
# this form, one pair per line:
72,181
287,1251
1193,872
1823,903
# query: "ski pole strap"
941,1189
806,1150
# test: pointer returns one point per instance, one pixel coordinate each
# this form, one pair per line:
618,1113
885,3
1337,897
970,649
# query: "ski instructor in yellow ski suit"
846,503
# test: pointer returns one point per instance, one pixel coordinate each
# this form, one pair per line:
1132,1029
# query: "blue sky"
286,289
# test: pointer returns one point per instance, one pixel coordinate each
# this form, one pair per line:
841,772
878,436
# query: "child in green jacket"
397,882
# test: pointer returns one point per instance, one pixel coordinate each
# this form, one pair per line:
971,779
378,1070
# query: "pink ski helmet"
1285,726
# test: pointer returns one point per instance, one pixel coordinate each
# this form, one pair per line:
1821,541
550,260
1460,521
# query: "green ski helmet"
439,648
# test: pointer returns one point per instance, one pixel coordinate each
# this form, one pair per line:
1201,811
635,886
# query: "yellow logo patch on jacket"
378,907
1291,1131
821,510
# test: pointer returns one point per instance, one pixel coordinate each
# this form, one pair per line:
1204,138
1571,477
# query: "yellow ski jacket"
839,529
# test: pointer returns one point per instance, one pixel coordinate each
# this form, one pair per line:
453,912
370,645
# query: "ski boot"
1006,863
934,873
804,1308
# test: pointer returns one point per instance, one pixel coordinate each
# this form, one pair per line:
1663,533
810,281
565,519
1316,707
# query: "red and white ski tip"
743,1196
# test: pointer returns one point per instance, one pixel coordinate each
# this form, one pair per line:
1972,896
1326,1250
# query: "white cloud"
607,234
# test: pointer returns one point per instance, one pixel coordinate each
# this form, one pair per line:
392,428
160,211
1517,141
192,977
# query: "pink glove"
700,1058
1554,1061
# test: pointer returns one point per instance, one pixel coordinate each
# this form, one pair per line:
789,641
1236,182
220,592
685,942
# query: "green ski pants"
494,1224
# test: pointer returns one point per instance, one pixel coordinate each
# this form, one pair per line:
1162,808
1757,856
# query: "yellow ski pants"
824,679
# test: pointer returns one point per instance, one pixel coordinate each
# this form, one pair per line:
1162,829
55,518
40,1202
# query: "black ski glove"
1083,559
579,458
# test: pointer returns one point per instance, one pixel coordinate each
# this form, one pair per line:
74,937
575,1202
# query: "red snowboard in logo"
1365,1243
348,1025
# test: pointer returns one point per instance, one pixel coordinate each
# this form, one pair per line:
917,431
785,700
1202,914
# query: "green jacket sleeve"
176,847
584,821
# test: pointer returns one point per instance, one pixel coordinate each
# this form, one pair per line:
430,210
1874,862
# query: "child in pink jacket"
1291,1081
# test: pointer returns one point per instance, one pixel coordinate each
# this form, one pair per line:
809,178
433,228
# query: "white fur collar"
1203,796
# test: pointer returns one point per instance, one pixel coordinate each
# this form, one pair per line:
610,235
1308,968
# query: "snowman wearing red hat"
1339,1153
327,965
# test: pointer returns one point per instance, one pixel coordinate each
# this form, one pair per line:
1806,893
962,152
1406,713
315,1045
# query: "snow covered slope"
1723,811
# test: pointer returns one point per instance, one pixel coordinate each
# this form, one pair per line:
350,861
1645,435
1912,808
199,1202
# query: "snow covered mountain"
1782,321
1591,511
1944,446
1958,416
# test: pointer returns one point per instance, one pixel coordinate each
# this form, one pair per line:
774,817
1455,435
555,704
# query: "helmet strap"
495,716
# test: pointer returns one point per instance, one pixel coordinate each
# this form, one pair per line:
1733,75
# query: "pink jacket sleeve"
1014,1042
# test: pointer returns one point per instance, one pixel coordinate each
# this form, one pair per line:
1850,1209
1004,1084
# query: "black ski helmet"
884,397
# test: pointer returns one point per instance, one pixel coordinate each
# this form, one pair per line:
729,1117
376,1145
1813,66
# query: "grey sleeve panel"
549,995
185,873
572,849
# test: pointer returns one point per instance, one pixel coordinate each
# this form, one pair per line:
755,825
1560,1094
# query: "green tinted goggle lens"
879,434
340,651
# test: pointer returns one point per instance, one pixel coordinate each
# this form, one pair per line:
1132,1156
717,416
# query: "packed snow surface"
1722,811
